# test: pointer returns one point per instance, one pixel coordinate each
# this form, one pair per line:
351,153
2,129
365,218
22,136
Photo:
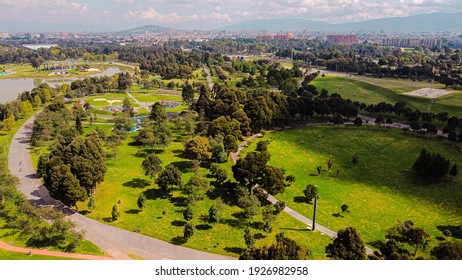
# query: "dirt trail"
44,252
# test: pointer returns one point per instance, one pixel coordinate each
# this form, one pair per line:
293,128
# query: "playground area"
169,104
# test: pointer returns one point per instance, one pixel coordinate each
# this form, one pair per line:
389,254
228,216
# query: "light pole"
313,228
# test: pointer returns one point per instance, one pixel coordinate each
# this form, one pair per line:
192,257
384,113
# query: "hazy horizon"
104,15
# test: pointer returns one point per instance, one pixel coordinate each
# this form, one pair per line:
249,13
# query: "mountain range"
435,22
419,23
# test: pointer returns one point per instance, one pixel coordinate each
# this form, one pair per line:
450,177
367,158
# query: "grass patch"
379,191
162,217
8,255
373,91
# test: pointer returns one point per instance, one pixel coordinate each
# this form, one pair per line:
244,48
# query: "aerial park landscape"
231,148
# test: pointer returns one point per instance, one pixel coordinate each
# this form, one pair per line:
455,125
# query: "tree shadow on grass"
296,229
141,154
225,191
134,144
137,183
376,243
184,166
259,236
239,215
233,223
84,212
179,240
257,225
300,199
156,194
456,231
179,201
235,250
178,223
203,227
133,211
108,220
179,153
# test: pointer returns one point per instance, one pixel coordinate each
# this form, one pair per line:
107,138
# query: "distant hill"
418,23
147,29
284,24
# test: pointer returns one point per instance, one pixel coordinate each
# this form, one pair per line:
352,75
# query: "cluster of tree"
169,62
73,169
24,104
38,227
284,249
99,85
254,170
56,120
433,166
348,245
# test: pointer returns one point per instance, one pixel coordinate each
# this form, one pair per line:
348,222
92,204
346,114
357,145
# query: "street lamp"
313,228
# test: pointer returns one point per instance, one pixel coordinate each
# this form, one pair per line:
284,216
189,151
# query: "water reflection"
10,88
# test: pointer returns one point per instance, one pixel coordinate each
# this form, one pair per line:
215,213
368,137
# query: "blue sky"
210,14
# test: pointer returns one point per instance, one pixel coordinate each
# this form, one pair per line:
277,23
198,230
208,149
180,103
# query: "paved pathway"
142,104
118,243
287,209
209,77
44,252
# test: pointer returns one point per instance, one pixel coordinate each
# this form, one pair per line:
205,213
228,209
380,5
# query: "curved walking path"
117,242
44,252
287,209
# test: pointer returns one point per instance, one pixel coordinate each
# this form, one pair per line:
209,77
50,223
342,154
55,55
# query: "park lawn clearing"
162,217
380,190
370,93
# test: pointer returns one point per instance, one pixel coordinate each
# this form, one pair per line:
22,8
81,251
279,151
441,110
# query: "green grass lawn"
159,96
108,96
389,90
125,181
7,255
379,191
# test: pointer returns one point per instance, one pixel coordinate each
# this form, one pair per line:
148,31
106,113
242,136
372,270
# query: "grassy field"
7,255
388,90
27,71
379,191
163,216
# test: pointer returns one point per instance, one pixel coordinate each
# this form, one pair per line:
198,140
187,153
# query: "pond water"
10,88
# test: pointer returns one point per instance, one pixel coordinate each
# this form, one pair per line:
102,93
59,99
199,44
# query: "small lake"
10,88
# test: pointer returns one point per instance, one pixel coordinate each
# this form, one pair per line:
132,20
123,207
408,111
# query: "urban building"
342,39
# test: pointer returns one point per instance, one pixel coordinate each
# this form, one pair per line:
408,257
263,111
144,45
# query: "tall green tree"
158,114
310,192
187,94
348,245
152,165
198,147
447,251
406,232
141,201
62,184
169,177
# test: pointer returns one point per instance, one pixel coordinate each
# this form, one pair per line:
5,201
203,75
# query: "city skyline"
85,15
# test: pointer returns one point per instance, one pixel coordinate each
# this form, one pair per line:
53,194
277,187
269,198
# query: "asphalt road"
118,243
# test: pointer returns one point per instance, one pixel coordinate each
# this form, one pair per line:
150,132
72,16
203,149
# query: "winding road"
116,242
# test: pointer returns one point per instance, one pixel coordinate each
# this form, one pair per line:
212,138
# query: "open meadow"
380,190
373,91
